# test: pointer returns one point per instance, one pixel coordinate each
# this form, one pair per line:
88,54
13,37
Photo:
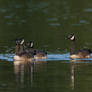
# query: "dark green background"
47,23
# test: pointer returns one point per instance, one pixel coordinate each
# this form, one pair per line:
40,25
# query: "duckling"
38,54
82,53
20,53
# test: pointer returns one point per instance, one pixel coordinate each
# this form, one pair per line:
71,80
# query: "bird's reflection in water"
75,64
72,75
24,72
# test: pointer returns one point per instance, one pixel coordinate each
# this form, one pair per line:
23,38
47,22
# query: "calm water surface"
47,23
45,76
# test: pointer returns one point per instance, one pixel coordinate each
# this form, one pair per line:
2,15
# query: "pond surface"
47,23
45,76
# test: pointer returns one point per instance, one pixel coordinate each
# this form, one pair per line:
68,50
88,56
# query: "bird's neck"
21,48
72,47
16,49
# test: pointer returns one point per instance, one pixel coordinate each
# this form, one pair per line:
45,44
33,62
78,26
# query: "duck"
30,48
20,53
82,53
38,54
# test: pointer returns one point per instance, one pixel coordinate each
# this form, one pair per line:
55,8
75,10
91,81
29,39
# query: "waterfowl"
20,53
38,54
82,53
30,48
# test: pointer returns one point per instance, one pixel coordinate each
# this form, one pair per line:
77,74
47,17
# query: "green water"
47,23
46,76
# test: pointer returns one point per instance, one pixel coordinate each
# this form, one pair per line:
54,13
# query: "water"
57,73
45,76
47,23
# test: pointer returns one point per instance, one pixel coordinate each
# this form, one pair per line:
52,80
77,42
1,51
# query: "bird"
38,54
82,53
20,53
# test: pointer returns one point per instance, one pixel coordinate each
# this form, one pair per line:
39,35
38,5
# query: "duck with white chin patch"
82,53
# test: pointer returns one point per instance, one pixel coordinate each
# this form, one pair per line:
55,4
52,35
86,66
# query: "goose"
38,54
20,53
82,53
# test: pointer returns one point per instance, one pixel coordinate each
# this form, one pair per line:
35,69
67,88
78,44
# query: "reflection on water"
88,10
24,72
72,67
43,75
47,23
23,69
50,57
46,76
77,68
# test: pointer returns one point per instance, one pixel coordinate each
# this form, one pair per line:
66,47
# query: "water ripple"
7,57
54,24
88,10
50,57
